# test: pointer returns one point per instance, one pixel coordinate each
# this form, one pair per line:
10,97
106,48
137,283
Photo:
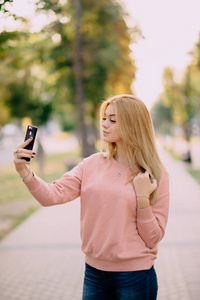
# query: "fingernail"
32,156
34,153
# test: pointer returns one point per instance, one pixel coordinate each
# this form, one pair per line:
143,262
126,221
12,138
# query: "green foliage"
23,87
2,5
196,54
37,69
161,115
22,103
106,62
5,9
180,101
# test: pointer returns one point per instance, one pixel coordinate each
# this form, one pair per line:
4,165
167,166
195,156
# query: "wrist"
26,174
143,202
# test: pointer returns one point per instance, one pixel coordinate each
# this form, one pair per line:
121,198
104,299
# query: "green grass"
12,187
13,190
194,173
18,220
175,155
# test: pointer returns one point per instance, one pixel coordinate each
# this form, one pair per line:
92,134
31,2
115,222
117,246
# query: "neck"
121,156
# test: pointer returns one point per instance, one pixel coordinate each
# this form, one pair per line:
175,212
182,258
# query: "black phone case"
30,132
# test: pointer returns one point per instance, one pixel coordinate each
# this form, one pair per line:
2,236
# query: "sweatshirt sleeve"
152,221
60,191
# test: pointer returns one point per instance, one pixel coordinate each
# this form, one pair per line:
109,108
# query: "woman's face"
110,128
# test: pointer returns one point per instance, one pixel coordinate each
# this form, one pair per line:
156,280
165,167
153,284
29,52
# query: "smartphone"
30,132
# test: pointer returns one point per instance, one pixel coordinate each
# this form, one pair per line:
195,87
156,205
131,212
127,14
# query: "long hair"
136,130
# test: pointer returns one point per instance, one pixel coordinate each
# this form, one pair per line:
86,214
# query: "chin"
106,140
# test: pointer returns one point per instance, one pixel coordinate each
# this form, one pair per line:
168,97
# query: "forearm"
60,191
40,190
148,227
152,219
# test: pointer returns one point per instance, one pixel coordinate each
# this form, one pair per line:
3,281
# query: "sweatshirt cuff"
33,184
145,215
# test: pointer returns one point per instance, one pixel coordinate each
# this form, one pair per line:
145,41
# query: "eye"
113,121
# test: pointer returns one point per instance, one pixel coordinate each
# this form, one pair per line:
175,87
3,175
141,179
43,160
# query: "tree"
180,101
23,91
196,54
3,4
107,67
174,96
194,80
161,115
38,69
78,75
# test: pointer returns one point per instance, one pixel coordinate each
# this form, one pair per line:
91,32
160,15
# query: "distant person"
124,194
40,157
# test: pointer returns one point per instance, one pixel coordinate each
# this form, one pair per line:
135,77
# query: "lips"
105,132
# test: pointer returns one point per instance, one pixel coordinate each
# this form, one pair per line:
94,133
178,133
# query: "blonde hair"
137,131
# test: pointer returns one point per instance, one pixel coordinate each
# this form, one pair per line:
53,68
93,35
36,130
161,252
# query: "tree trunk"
79,80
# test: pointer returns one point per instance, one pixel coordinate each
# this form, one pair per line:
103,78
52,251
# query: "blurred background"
60,59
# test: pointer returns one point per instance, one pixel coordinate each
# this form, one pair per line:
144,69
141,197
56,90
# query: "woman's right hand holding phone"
21,165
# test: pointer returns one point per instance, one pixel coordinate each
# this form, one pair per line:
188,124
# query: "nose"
105,124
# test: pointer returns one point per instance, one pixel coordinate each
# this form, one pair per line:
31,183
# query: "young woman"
124,194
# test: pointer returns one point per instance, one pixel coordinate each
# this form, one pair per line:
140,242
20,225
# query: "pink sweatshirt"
116,235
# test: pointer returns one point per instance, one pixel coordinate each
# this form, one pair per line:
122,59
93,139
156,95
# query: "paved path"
178,263
42,260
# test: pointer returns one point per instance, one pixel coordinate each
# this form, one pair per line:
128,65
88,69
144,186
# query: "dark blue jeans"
102,285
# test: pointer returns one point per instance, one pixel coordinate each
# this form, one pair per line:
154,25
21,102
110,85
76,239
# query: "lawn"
12,187
16,203
194,173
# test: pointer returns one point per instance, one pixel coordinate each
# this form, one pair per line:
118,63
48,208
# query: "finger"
151,178
154,183
24,144
25,155
16,151
137,176
27,141
22,155
23,152
21,161
145,175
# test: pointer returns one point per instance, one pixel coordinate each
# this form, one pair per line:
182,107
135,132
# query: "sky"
170,29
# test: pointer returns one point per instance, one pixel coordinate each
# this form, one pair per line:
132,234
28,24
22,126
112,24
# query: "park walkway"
42,260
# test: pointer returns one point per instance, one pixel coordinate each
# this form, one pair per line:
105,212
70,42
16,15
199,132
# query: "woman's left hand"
144,187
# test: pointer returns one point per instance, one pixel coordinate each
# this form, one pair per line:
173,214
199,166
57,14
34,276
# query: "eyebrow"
111,115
